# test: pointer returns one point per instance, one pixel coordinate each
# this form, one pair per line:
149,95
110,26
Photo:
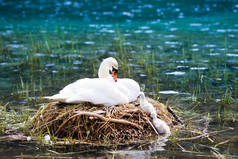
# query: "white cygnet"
145,105
160,125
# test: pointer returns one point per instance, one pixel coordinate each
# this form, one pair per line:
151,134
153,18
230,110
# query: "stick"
203,135
221,143
79,113
183,149
51,121
99,111
152,125
175,116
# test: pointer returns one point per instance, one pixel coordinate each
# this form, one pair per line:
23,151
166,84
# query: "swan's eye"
114,69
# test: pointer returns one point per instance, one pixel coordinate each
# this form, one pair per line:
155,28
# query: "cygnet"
145,105
160,125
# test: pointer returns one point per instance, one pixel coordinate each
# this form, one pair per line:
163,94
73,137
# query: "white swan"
159,124
103,90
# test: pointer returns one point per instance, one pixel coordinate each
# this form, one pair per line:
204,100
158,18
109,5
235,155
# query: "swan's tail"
56,97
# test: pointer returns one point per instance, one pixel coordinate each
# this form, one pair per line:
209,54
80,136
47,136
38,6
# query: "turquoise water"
183,52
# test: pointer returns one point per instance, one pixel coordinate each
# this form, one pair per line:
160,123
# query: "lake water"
184,53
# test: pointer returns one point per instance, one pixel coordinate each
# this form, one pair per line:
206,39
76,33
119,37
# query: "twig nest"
88,123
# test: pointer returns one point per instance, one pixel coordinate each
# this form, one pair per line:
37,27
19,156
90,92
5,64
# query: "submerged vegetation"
50,61
11,120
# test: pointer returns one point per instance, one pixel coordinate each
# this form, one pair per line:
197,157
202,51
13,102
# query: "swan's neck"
142,99
103,71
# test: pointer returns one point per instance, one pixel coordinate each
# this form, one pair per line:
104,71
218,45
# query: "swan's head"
142,98
141,95
114,73
113,66
108,64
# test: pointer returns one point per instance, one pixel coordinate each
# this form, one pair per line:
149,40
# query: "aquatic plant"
45,63
12,120
227,97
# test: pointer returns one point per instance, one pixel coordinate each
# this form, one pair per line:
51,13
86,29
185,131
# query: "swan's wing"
99,91
96,97
57,97
96,90
68,91
132,86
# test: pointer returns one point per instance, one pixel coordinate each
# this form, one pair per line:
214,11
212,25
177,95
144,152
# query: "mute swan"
106,90
159,124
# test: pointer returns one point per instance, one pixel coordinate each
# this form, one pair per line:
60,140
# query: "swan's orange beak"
114,73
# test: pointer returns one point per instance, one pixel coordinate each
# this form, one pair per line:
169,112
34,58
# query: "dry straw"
88,123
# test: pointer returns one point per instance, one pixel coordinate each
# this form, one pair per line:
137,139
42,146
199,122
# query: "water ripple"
198,68
128,14
214,54
168,92
232,55
176,73
15,46
205,29
89,42
148,31
144,27
195,24
195,49
77,62
49,65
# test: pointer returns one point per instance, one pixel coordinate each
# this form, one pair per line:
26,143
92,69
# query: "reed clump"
89,123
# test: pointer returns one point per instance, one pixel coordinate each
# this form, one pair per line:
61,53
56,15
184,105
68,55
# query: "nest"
89,123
